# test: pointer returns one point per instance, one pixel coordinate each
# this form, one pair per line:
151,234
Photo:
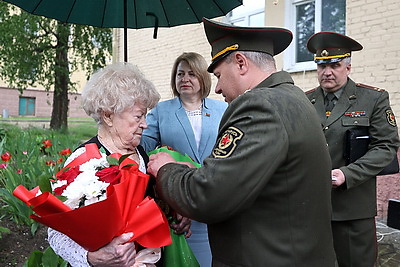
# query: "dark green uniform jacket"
265,190
358,106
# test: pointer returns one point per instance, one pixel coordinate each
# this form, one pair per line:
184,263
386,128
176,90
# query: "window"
27,106
251,13
306,17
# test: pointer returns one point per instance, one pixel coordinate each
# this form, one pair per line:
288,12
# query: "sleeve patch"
227,143
391,118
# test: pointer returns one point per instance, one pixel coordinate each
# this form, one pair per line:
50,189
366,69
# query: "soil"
16,247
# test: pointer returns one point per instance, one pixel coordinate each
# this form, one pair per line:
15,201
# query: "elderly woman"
117,97
189,124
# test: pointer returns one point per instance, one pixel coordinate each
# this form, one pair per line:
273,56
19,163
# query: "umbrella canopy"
133,14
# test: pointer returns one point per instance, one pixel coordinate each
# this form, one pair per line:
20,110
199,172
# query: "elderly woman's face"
127,126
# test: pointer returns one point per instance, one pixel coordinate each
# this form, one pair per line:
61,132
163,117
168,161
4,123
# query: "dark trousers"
355,242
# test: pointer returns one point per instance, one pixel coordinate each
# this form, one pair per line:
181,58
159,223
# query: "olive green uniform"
265,190
355,200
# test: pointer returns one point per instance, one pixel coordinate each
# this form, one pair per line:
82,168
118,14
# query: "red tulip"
3,165
50,163
6,156
65,151
47,143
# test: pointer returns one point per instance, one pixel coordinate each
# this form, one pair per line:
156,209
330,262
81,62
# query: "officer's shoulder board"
391,119
370,87
310,91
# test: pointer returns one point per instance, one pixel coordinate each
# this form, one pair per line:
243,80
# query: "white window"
306,17
251,13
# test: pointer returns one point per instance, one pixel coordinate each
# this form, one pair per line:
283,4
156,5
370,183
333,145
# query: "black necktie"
330,98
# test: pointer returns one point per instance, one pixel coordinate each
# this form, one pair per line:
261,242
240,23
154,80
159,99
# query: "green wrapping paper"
175,154
179,253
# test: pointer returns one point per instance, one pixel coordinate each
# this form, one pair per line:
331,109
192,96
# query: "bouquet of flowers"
104,198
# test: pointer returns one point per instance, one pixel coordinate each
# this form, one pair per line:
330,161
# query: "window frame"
290,63
244,15
28,105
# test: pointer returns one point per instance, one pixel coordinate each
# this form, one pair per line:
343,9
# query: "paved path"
388,245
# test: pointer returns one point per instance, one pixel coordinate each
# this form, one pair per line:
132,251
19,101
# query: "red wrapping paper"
95,225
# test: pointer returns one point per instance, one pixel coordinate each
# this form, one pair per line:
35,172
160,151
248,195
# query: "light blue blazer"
169,125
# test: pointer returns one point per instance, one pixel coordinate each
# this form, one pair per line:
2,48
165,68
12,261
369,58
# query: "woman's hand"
116,253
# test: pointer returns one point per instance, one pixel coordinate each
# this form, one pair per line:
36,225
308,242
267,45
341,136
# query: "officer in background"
265,189
345,107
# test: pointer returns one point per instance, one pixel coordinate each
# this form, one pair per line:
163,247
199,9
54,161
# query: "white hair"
116,87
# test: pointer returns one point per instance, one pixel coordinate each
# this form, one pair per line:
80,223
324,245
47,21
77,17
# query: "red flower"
50,163
60,160
65,151
68,175
3,165
47,143
110,175
59,190
6,156
19,171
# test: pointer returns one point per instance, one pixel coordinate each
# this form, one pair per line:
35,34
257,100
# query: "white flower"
86,188
95,164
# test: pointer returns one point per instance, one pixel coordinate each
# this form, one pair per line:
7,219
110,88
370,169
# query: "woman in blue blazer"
189,124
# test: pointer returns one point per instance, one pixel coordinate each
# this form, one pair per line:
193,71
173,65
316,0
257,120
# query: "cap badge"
324,53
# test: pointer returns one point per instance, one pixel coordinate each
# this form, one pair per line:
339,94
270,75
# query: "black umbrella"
133,14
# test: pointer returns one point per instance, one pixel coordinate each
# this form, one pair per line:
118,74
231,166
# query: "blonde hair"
198,65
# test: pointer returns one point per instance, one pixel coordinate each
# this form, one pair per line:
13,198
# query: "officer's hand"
338,178
157,161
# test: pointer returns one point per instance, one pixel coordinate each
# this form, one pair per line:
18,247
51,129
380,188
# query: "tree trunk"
59,114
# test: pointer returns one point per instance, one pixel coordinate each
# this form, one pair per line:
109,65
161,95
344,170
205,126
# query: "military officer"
265,189
343,107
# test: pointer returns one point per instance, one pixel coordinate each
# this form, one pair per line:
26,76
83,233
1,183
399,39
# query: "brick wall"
388,187
10,99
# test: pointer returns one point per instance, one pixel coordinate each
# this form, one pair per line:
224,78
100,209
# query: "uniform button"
326,128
